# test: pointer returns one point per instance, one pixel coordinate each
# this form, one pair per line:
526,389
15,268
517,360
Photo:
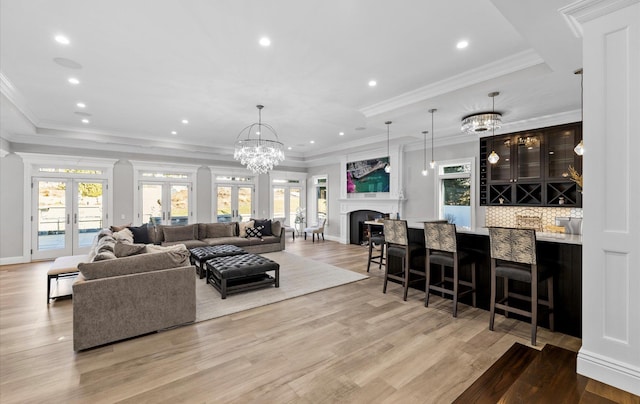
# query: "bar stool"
513,256
442,249
378,239
397,241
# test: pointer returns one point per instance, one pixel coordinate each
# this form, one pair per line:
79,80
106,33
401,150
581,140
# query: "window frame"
440,176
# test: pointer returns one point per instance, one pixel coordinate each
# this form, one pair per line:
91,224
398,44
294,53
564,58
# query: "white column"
611,241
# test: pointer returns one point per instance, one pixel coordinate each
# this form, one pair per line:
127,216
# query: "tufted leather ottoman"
241,272
199,255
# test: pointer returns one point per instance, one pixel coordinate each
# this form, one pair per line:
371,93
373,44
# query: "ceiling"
147,64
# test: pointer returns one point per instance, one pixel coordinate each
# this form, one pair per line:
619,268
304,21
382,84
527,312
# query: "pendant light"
493,156
387,168
433,162
579,149
425,172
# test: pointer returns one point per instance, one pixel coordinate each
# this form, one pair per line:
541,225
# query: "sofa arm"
110,309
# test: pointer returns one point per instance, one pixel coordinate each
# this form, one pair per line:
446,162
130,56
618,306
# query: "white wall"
204,201
332,228
123,193
12,210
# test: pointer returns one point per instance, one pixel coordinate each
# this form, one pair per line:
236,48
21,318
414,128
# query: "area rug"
298,276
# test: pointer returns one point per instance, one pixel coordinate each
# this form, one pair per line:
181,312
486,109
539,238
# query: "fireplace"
358,230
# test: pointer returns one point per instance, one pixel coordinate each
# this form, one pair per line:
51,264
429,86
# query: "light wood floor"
347,344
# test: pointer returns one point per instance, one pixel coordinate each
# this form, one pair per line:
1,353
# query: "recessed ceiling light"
341,133
372,83
62,39
462,44
73,80
289,148
173,132
312,141
68,63
81,105
264,41
185,121
85,121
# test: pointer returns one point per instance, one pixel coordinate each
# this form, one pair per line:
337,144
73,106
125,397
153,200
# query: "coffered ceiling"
145,65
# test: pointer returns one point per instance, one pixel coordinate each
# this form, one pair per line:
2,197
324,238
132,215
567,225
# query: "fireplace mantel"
392,206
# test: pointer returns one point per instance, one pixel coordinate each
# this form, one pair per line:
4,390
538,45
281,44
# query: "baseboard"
604,369
13,260
332,238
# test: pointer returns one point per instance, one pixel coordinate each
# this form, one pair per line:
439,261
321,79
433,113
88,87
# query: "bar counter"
560,252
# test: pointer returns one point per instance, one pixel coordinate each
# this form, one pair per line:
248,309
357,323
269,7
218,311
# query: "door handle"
163,215
68,218
75,218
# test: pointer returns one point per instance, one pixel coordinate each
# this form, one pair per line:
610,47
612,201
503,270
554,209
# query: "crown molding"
498,68
579,12
17,99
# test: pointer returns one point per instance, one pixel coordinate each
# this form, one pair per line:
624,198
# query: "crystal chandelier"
478,123
258,154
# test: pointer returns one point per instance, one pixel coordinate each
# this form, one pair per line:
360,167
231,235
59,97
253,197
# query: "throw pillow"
243,226
276,227
255,232
179,233
140,234
103,233
266,224
105,244
126,250
152,248
103,256
119,228
124,236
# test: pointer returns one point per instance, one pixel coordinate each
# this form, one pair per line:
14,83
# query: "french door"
67,214
287,204
165,203
234,203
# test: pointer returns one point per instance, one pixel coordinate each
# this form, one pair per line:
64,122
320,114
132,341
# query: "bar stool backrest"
515,245
395,232
440,236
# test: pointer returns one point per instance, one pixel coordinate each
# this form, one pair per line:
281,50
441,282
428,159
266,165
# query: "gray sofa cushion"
126,249
186,243
180,233
237,241
134,264
221,230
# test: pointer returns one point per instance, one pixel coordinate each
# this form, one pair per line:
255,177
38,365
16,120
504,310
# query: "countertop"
483,231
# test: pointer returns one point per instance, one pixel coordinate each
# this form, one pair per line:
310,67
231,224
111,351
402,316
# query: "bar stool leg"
386,273
534,308
427,271
506,295
370,254
492,307
382,247
473,283
405,270
455,287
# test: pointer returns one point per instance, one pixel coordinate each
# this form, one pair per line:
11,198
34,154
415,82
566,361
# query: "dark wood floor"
346,344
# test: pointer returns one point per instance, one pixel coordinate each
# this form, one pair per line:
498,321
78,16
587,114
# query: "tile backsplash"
505,216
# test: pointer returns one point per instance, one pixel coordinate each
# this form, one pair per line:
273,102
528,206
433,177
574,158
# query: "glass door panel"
152,203
560,153
88,220
179,213
223,204
294,203
52,220
529,155
279,202
501,171
245,203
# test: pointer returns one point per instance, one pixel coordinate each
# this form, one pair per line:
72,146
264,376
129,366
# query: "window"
455,192
320,185
234,198
288,198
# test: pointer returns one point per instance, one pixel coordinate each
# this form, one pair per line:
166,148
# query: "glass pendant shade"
432,164
493,157
579,149
387,168
425,172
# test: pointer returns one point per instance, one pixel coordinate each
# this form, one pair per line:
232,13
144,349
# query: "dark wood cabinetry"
532,169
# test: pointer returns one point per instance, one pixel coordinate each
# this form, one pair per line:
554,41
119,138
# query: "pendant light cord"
425,149
432,111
